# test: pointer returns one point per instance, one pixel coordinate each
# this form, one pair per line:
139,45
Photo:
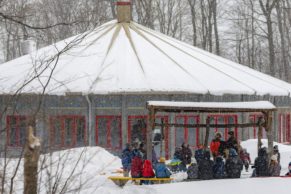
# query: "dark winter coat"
126,158
199,154
186,155
147,170
192,171
136,167
219,168
162,171
136,153
178,154
205,167
233,167
232,143
274,169
261,163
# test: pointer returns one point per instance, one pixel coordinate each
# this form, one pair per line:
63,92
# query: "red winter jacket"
136,167
147,170
214,147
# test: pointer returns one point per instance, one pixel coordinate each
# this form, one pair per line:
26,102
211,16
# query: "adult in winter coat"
199,153
147,170
289,170
245,158
217,145
126,159
136,167
233,165
261,163
161,170
186,154
178,153
142,151
274,167
277,153
232,141
192,170
205,167
219,168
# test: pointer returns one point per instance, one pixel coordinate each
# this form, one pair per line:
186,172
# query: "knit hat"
274,158
230,133
218,134
162,160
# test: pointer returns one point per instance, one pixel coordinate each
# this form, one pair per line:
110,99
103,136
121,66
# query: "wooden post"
150,127
31,157
207,132
260,133
269,131
162,137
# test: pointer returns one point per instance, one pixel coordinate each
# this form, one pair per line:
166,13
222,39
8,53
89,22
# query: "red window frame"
8,127
62,119
166,132
109,118
186,134
225,118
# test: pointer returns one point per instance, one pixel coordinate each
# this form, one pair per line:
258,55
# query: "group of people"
134,161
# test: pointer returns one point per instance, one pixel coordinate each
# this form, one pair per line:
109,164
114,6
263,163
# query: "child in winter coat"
205,167
161,170
192,170
136,167
233,165
199,153
126,159
245,158
218,168
289,172
274,167
147,171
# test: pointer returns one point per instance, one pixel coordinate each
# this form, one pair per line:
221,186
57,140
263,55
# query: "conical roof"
130,58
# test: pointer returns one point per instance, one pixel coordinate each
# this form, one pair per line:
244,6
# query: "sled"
121,181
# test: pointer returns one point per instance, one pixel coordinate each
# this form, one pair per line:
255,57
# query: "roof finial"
123,10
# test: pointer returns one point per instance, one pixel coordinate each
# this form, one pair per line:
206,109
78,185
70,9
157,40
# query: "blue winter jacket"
162,171
126,159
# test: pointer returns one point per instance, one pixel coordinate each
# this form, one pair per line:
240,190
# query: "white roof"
254,105
130,58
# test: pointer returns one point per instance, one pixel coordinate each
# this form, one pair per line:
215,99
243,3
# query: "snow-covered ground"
88,168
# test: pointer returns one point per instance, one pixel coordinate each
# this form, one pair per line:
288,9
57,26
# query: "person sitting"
232,141
147,171
289,170
192,171
274,167
199,153
136,167
219,168
161,170
261,164
233,165
126,159
245,158
205,167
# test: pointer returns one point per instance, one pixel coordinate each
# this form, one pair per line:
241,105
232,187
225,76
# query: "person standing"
245,157
232,141
216,145
261,164
277,153
126,159
186,156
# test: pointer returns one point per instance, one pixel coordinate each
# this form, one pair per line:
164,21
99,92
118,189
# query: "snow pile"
68,171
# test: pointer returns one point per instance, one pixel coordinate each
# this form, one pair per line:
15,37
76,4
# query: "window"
222,119
137,125
68,131
16,130
184,134
108,132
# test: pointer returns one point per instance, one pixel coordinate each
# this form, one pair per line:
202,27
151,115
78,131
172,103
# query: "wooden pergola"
264,107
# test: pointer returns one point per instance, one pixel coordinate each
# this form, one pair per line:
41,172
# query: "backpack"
233,167
205,169
162,171
261,165
136,167
192,171
147,170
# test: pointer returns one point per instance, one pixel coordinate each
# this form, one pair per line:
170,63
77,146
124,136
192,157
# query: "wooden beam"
242,125
150,128
269,134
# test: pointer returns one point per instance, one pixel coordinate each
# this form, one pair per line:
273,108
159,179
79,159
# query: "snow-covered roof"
216,106
130,58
